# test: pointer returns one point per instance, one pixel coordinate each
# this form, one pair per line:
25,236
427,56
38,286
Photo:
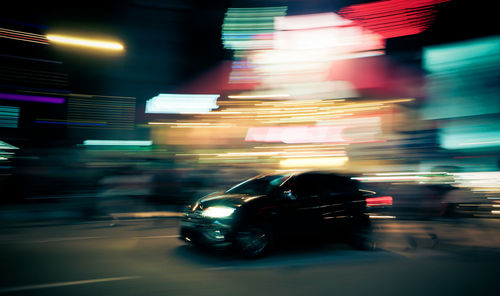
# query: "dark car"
255,214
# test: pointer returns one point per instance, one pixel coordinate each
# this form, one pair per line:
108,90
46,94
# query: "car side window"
307,186
340,186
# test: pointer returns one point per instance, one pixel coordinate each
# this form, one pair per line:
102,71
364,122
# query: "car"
255,214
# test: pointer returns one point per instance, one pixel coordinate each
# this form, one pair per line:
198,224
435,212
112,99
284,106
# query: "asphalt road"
145,257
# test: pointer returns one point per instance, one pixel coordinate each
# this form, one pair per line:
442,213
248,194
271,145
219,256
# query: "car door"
336,200
308,190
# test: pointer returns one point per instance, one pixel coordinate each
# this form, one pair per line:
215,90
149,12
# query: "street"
145,257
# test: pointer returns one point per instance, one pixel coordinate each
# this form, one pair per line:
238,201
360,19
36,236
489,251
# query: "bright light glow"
313,162
479,181
116,143
93,43
296,134
299,49
309,21
218,212
181,104
339,39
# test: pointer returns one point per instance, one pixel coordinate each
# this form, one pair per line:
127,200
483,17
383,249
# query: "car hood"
226,199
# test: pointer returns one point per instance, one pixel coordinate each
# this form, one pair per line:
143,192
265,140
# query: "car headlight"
218,212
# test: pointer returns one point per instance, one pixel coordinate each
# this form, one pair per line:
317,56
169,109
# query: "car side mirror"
287,194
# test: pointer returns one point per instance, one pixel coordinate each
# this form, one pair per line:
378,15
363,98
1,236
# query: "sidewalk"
75,209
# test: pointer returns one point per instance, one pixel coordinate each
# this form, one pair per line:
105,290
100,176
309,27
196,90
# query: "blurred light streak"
495,212
463,73
29,76
481,133
116,112
4,145
313,146
27,98
25,24
310,21
93,43
4,155
393,18
301,48
410,173
36,90
258,96
308,154
181,104
69,123
460,55
30,59
296,134
479,143
337,34
117,143
179,123
232,154
9,116
382,217
63,120
391,178
379,201
479,181
314,162
23,36
202,126
250,28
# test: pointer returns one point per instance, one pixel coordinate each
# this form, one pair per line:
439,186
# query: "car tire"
361,236
253,241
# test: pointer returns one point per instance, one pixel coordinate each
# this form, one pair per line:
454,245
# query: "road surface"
145,257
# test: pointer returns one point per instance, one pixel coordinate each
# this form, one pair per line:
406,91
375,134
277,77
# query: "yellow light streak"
258,96
93,43
314,162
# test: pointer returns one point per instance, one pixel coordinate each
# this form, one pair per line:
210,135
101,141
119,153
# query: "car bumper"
206,232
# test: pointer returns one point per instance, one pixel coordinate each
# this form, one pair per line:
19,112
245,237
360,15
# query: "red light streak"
393,18
379,201
24,38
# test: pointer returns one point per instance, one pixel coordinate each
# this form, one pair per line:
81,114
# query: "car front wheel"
253,241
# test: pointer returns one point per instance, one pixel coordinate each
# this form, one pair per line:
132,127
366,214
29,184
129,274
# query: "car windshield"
259,186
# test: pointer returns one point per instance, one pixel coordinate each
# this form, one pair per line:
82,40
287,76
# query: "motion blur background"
189,97
202,95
